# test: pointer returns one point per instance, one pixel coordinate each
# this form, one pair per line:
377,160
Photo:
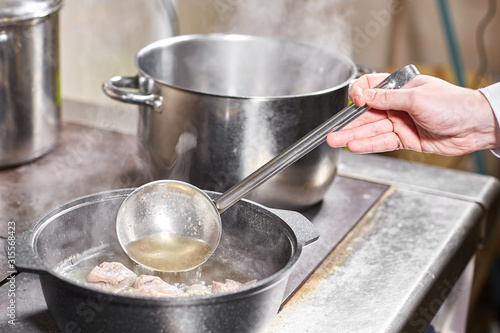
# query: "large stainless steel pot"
29,74
257,243
214,108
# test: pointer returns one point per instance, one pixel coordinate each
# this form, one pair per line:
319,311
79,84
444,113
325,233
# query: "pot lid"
19,10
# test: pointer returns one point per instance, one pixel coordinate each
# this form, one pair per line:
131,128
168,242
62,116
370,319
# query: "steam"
323,23
181,164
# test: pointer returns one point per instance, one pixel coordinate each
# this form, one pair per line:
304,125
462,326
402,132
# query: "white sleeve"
492,94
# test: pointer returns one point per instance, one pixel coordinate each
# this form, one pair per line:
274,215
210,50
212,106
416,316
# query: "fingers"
389,99
356,95
363,92
363,83
375,130
376,144
368,130
371,116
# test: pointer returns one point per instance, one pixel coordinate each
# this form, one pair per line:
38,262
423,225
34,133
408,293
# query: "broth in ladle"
168,253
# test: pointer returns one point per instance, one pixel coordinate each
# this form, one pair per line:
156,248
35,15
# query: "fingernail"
369,95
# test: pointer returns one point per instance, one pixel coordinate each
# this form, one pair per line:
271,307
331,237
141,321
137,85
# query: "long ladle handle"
312,140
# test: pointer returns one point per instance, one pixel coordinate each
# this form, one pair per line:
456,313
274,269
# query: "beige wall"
99,38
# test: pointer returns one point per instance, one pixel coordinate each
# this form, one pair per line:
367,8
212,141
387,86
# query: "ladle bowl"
163,212
167,215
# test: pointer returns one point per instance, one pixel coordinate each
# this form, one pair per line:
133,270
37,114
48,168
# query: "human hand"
427,115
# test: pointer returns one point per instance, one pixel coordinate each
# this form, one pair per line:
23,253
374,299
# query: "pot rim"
261,285
20,13
239,37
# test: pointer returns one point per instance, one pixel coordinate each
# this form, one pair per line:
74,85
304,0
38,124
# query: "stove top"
89,160
103,160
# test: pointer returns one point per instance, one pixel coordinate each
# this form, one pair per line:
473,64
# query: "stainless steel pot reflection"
213,108
29,69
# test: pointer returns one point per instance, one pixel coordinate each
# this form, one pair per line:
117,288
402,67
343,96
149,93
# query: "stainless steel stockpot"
215,107
29,74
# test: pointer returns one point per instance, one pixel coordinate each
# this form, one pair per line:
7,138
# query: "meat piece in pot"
229,285
197,290
115,277
111,276
148,285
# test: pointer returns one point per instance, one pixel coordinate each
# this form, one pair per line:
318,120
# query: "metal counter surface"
397,266
377,278
407,239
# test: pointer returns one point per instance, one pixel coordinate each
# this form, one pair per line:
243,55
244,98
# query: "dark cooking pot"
215,107
257,243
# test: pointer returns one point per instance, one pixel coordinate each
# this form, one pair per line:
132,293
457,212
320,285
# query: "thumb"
387,99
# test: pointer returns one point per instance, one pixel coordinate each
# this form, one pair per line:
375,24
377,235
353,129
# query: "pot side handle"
113,87
26,260
364,69
306,232
361,70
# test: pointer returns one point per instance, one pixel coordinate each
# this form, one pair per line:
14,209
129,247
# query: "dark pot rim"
29,260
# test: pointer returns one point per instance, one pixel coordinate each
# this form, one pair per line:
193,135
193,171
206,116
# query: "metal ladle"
172,226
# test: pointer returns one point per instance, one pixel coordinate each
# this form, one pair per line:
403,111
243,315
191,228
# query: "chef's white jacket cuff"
492,94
